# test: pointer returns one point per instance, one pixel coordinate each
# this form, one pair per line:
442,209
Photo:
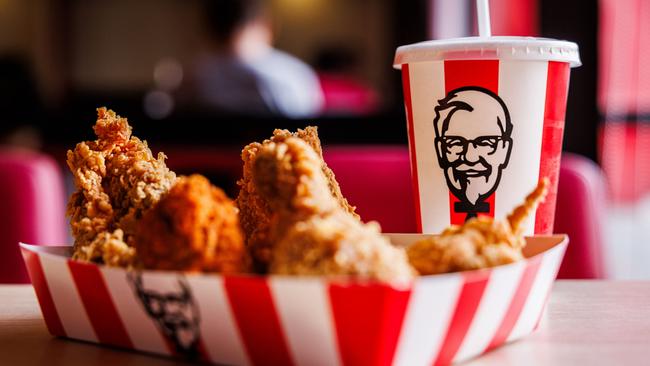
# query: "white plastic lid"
503,48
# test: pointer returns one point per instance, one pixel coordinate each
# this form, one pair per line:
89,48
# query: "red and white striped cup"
485,121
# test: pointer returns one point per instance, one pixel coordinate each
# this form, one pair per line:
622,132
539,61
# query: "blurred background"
61,59
175,69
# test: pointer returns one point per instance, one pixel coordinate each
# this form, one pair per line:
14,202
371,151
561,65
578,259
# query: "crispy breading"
311,232
479,243
117,179
255,211
521,212
194,227
310,136
108,248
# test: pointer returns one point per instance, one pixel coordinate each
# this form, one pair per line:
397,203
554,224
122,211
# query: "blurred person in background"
244,74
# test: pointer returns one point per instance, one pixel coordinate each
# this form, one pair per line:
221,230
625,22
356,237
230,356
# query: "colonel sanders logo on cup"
473,144
174,311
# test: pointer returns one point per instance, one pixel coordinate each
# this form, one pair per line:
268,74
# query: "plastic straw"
483,14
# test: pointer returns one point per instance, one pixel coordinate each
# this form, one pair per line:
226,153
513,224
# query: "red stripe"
468,301
627,158
257,319
97,301
455,218
557,87
458,218
483,73
35,269
460,73
368,321
517,303
642,168
490,201
406,82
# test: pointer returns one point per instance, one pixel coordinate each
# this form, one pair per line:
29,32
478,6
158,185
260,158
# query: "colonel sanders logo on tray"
174,311
473,144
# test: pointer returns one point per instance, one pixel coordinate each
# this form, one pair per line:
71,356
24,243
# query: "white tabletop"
586,323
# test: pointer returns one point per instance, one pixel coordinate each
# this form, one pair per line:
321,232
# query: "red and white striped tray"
279,320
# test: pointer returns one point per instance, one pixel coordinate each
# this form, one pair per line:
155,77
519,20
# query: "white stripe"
538,293
66,298
494,304
430,309
522,86
427,80
304,310
141,328
221,337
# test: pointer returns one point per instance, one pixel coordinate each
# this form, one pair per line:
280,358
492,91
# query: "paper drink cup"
485,119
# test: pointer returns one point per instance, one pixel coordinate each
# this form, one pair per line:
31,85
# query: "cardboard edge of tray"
535,246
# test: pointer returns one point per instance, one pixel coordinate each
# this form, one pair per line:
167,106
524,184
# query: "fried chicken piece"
481,242
255,212
194,227
108,248
310,136
521,212
311,232
117,179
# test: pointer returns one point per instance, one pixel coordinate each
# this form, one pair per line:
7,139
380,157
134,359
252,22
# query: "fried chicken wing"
194,227
117,179
255,211
311,231
479,243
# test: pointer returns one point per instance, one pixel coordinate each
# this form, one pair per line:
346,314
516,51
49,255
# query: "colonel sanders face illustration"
473,143
171,305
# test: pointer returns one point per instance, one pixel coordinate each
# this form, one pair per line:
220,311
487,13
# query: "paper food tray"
283,320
